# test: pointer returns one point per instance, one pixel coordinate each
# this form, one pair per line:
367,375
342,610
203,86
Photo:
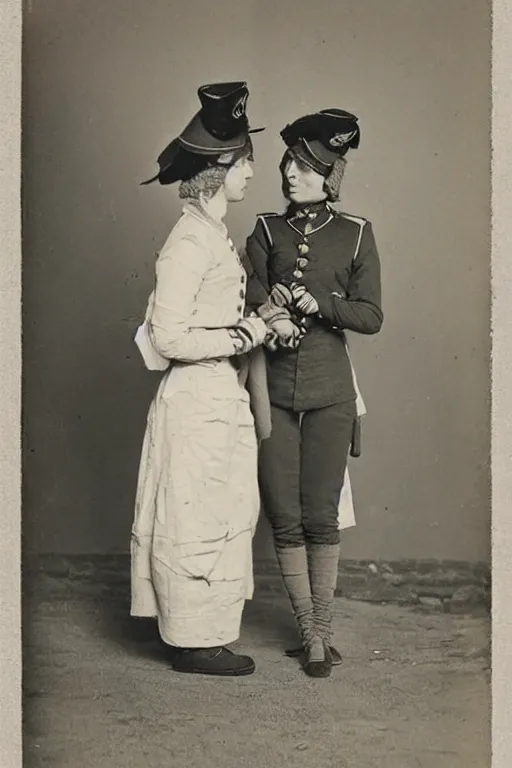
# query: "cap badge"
339,139
239,108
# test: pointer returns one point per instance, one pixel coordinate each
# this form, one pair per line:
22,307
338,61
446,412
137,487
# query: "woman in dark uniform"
313,273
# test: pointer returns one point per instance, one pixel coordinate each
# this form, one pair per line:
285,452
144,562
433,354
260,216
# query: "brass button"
239,309
242,294
298,274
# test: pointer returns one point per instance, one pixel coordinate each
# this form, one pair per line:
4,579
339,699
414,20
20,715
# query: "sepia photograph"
256,420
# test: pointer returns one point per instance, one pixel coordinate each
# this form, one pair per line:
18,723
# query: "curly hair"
206,183
209,180
332,184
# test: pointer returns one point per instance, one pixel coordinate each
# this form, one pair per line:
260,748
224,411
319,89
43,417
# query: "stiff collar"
312,210
314,215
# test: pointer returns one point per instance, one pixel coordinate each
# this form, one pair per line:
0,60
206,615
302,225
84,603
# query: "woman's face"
304,185
236,180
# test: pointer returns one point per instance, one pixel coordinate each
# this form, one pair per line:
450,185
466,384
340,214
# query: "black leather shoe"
337,659
210,661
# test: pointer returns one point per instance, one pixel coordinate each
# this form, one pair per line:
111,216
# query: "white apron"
346,514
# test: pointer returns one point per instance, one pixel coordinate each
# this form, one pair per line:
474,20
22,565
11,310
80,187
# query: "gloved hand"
279,300
248,333
283,332
281,295
303,300
272,341
288,333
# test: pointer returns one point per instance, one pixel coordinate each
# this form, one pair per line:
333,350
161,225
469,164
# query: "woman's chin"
299,199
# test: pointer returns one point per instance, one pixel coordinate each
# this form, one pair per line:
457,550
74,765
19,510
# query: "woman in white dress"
197,499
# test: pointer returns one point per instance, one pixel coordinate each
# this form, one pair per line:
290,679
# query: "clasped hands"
285,298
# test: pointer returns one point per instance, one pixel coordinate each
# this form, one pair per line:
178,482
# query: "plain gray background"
105,87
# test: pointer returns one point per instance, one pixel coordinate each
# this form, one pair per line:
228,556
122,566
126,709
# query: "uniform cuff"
325,301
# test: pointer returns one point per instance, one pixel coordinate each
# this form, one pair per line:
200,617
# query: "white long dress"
197,501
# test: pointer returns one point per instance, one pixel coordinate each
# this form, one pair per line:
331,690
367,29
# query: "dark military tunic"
343,275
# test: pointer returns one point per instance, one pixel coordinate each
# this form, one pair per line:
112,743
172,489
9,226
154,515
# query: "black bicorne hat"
323,137
219,128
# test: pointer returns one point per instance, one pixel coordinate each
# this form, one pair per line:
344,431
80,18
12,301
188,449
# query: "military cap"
323,137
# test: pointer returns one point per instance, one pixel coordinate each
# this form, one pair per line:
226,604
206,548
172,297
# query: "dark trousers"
301,471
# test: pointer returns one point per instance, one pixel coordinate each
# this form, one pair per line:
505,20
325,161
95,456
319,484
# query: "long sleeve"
255,261
179,274
361,310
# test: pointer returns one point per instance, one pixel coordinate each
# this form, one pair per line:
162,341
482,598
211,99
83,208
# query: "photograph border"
10,383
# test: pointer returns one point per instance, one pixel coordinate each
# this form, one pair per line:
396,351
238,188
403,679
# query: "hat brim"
196,148
195,138
181,166
331,133
178,163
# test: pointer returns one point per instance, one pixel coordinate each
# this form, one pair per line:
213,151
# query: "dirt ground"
413,691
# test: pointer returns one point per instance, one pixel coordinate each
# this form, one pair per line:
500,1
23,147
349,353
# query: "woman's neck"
216,207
